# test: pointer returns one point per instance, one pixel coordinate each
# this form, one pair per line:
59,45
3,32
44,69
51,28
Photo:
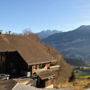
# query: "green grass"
84,77
82,73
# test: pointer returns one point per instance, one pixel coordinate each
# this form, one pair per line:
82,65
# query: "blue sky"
64,15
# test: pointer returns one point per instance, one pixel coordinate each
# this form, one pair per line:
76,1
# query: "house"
22,55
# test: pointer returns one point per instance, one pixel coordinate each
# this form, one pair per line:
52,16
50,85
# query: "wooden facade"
11,63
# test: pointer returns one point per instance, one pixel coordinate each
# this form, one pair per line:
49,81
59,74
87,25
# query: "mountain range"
45,33
72,44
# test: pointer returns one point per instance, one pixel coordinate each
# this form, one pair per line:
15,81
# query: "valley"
72,44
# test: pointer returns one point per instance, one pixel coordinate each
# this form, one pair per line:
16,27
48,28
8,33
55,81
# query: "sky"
38,15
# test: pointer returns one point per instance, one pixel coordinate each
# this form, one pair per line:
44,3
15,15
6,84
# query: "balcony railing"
56,67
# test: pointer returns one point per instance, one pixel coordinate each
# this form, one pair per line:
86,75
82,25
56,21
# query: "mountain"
76,62
73,44
45,33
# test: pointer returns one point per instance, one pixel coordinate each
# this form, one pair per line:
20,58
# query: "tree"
27,31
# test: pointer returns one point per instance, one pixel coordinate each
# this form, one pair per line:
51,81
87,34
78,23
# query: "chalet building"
22,55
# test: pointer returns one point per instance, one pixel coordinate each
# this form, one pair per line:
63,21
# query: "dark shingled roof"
31,50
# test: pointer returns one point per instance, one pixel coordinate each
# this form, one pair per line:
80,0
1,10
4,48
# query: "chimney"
1,32
9,32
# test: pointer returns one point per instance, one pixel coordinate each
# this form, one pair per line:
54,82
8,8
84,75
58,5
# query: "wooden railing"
56,67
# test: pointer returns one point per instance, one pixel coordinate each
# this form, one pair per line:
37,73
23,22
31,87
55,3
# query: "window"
41,66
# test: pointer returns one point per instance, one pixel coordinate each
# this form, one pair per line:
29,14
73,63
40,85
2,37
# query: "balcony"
54,68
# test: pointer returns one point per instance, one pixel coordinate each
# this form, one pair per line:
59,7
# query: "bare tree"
27,31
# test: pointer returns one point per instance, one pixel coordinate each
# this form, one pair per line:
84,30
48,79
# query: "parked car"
4,76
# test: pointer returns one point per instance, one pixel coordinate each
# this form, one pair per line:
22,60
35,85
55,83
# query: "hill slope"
73,44
76,62
65,71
